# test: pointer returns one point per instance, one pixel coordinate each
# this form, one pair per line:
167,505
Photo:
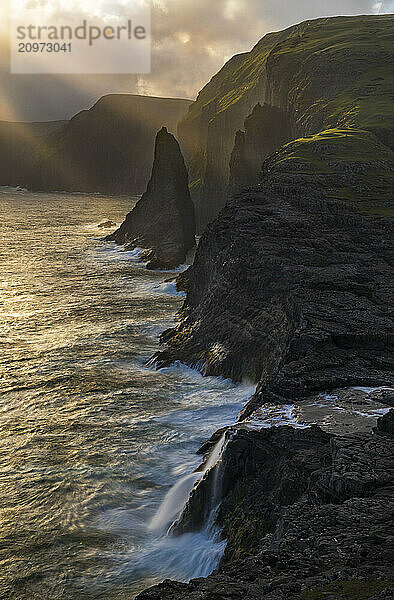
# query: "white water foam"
134,254
168,287
274,416
183,558
174,502
369,390
177,497
9,188
192,554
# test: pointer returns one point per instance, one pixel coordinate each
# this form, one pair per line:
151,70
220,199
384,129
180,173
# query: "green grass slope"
308,52
325,74
353,165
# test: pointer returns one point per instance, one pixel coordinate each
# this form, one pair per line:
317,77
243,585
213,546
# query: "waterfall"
176,499
194,553
174,502
215,454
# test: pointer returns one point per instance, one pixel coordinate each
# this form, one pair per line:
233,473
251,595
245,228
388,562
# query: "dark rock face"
291,285
108,148
266,130
280,481
163,219
291,288
386,423
321,74
306,517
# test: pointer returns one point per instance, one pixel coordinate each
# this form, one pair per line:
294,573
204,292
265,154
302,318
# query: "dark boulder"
386,423
106,224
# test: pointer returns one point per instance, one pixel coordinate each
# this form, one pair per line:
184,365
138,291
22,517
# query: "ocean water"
91,440
97,451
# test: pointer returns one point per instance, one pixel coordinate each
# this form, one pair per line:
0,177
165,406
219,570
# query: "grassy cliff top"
238,76
352,165
309,58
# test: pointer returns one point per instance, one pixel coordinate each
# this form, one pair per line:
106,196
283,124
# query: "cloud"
218,29
387,6
191,40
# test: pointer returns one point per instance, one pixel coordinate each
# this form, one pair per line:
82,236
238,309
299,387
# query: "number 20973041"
44,47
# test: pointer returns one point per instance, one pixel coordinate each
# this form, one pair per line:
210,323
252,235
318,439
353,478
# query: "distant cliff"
107,149
266,130
317,75
162,221
20,148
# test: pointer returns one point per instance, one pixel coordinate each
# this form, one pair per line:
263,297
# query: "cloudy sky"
191,40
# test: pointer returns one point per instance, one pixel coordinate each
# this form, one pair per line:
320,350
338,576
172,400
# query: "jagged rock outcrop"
163,219
321,74
266,130
108,148
291,286
306,515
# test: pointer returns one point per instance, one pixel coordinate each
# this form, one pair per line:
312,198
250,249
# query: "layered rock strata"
291,286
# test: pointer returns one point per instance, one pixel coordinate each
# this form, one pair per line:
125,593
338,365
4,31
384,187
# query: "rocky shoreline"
290,152
306,515
291,290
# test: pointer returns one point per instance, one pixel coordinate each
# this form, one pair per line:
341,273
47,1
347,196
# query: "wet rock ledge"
306,515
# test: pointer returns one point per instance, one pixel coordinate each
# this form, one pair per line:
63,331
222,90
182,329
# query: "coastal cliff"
162,222
305,514
320,74
20,144
108,148
291,289
291,284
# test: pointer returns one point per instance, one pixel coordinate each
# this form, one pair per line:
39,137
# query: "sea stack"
163,219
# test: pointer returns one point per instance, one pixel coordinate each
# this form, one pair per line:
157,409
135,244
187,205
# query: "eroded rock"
162,222
306,515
